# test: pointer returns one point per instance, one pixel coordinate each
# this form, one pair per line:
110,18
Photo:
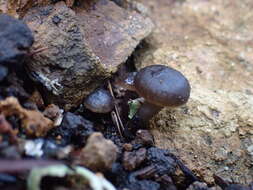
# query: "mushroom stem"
147,111
141,118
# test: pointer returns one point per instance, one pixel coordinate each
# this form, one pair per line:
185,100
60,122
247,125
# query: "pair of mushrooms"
159,85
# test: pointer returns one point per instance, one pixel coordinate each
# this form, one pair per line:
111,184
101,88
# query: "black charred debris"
139,164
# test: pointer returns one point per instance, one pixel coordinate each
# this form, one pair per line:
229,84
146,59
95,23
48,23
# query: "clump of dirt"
33,122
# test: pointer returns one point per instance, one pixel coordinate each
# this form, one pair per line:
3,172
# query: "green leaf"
134,105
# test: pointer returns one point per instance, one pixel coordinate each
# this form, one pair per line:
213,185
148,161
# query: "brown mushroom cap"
162,86
99,101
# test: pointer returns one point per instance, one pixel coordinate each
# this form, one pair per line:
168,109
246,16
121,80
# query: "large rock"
213,133
112,32
84,47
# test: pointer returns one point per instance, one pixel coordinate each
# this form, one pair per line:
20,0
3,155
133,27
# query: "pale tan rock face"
211,43
211,133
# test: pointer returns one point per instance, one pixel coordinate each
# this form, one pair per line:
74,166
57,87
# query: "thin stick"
115,119
116,107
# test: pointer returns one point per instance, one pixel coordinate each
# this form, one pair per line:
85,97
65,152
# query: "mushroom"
99,101
161,86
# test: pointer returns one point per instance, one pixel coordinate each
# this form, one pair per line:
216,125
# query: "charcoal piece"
237,187
74,129
15,39
115,178
50,149
143,185
15,91
225,185
5,178
167,183
134,183
3,72
160,159
14,87
128,180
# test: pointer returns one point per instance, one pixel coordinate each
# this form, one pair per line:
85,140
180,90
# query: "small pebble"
128,147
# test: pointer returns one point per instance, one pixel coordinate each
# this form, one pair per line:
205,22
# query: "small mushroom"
99,101
161,86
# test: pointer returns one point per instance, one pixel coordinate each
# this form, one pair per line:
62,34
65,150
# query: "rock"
68,67
37,99
74,129
250,152
143,137
18,8
213,131
134,5
83,49
131,160
99,154
142,185
15,40
54,113
128,147
112,37
213,128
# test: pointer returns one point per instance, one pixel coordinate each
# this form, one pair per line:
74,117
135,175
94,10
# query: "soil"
205,144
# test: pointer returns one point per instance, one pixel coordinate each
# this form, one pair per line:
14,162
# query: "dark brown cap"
162,86
99,101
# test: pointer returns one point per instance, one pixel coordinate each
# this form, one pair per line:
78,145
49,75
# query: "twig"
121,126
116,122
